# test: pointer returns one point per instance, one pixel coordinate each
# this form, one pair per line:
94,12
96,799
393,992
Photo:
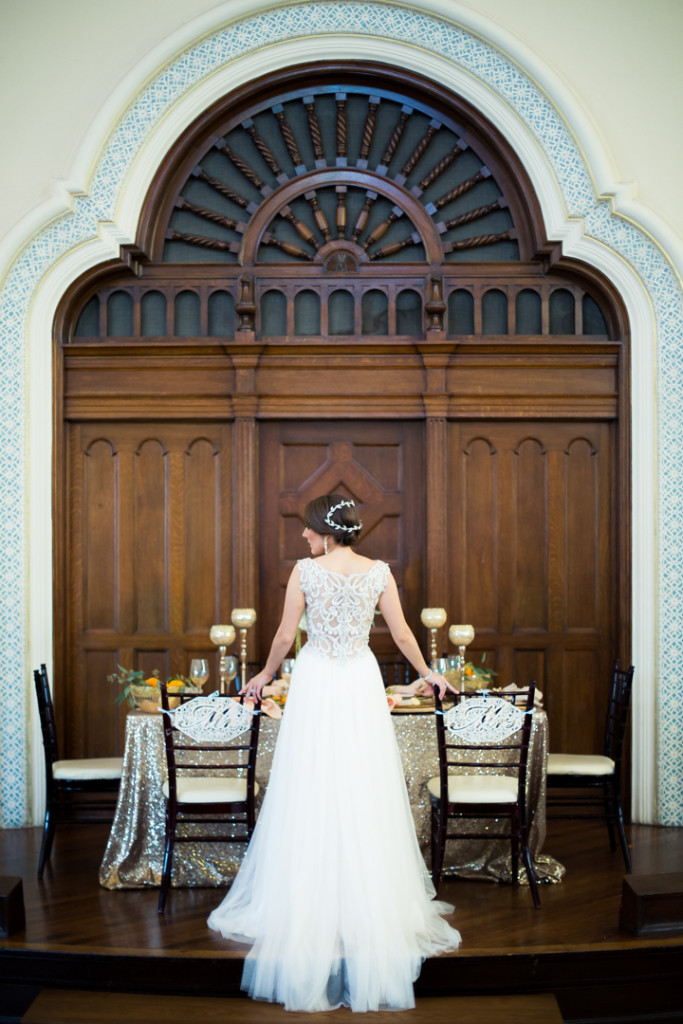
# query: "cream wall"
61,62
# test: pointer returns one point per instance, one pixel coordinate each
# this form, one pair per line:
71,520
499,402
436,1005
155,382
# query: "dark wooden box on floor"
652,904
12,917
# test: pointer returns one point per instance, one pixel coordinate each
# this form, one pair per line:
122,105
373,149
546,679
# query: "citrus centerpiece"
143,692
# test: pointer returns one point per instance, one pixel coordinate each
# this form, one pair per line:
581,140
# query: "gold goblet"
222,637
460,637
433,619
243,619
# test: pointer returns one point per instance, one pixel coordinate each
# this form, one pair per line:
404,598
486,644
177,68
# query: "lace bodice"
340,609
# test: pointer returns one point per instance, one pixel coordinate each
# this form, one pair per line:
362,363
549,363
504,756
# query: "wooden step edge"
77,1006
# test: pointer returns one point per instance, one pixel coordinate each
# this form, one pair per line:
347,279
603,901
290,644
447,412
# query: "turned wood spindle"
242,166
341,129
362,218
462,188
341,211
288,138
263,149
314,131
368,131
318,215
395,137
220,187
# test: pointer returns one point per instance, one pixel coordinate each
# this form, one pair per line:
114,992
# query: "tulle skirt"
333,891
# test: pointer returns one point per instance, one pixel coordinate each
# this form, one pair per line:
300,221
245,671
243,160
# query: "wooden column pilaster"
245,480
436,358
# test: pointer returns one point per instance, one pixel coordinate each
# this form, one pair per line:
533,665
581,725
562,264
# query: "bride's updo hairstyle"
333,515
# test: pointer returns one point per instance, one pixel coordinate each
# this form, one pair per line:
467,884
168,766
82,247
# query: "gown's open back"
333,891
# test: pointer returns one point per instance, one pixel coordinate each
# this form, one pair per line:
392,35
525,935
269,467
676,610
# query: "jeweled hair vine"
340,526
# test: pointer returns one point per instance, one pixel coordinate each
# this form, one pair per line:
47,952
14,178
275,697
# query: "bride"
333,892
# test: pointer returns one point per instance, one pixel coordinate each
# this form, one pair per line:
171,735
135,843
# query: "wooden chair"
79,791
396,673
211,781
483,744
592,782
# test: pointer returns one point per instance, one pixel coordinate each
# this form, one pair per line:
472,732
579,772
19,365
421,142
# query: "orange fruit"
152,681
175,684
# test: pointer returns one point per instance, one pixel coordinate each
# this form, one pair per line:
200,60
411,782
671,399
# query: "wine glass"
286,670
232,666
199,672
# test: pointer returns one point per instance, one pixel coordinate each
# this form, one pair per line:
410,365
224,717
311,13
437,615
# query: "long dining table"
133,857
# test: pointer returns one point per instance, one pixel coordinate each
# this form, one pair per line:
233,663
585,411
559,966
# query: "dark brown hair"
345,517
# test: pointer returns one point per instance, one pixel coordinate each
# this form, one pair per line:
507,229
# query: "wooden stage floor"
80,936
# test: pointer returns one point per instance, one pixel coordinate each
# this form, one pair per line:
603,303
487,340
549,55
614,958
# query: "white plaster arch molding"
205,60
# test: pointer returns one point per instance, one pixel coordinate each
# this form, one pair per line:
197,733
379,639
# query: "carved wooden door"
379,465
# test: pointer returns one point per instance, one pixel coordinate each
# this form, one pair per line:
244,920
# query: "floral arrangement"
477,677
135,686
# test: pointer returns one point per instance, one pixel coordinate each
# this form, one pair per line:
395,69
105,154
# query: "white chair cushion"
88,768
580,764
205,789
477,789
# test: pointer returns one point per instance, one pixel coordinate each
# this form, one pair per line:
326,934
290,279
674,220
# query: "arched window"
186,315
460,312
307,313
120,315
273,313
221,315
341,312
562,312
153,314
409,312
528,317
88,325
374,312
494,312
593,319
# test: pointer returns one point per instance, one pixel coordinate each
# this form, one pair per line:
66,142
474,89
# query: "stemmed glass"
286,670
199,672
231,669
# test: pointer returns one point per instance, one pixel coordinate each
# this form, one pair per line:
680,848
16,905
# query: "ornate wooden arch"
365,180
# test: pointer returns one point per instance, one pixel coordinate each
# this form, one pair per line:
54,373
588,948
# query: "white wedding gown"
333,891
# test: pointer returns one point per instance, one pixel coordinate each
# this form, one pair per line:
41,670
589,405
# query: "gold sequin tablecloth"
134,854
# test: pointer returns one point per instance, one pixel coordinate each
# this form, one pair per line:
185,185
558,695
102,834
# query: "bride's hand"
255,685
440,684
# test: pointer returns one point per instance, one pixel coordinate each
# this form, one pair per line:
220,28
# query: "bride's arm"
404,638
284,637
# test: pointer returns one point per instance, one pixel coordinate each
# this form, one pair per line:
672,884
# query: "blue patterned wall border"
479,59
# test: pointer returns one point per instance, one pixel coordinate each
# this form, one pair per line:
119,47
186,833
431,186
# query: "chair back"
485,733
617,712
47,719
395,673
208,757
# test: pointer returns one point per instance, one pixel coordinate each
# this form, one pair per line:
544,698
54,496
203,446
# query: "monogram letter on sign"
484,720
213,719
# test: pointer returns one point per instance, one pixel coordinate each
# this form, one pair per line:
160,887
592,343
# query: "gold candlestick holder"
460,637
433,619
243,619
222,636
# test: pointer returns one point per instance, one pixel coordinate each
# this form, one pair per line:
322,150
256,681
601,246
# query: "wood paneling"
149,561
532,561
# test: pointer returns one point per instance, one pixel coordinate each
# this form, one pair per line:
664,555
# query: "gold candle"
460,637
222,637
433,619
243,619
